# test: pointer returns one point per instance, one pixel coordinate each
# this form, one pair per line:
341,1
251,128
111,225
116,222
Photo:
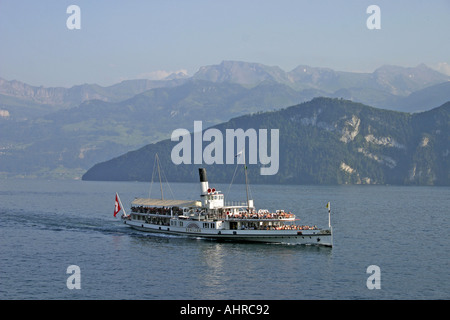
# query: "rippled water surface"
46,226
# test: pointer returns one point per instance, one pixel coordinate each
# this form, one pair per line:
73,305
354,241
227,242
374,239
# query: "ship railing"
234,218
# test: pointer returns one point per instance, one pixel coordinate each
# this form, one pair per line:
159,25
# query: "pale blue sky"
122,40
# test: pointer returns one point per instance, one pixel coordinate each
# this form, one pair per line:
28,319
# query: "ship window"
208,225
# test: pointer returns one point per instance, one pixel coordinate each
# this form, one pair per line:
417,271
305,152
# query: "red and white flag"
117,207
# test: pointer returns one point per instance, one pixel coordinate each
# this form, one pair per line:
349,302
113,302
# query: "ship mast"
246,181
159,174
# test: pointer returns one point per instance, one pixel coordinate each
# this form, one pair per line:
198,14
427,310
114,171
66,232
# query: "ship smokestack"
203,180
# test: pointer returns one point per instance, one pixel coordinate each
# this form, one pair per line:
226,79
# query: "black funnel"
202,172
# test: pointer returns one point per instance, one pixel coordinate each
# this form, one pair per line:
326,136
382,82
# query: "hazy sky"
121,40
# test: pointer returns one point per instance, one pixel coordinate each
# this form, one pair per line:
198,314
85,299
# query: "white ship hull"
320,237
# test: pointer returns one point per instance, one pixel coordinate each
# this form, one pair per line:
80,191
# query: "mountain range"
392,81
323,141
61,132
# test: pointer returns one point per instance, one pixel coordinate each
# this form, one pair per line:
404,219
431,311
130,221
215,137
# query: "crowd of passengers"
285,227
157,210
261,215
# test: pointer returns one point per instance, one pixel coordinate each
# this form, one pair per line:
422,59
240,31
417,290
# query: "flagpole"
329,214
246,182
242,152
329,221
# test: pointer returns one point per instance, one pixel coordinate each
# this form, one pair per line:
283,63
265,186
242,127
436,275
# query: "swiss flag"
117,207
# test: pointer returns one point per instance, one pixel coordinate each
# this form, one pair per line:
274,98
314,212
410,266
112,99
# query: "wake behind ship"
212,218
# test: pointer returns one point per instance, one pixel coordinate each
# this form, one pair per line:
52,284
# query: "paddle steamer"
212,218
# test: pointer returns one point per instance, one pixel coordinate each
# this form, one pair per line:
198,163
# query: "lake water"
46,226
